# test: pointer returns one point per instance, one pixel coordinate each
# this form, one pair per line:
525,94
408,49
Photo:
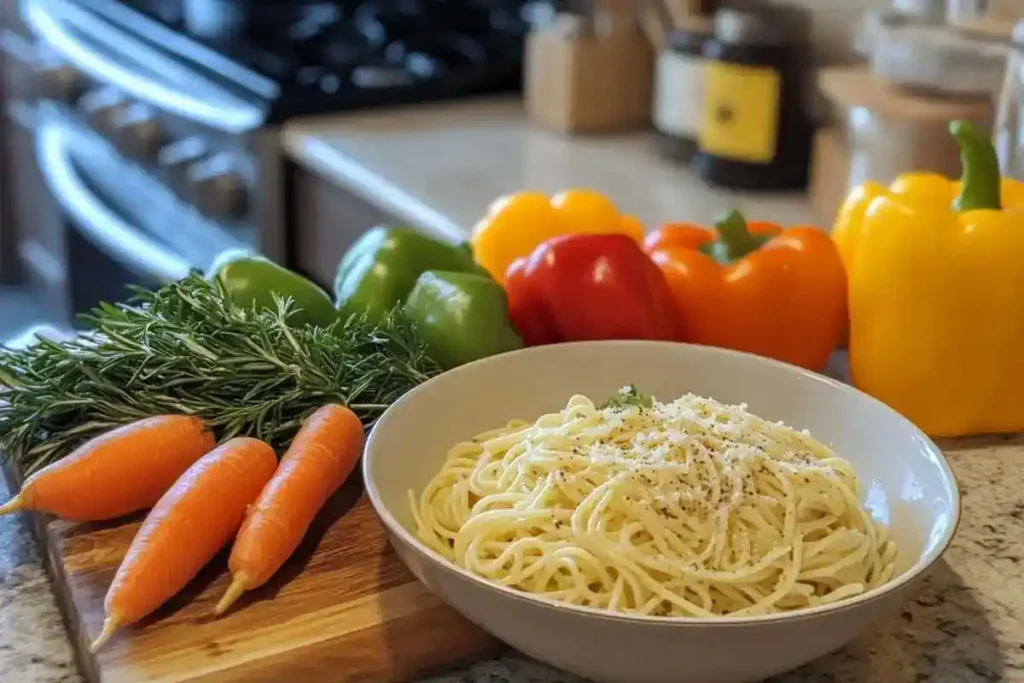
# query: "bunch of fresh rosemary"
186,349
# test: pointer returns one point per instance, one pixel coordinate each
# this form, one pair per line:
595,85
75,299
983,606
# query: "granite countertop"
966,625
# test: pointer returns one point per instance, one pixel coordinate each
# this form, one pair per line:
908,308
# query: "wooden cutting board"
343,609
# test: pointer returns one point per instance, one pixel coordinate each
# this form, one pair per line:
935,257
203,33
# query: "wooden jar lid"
848,87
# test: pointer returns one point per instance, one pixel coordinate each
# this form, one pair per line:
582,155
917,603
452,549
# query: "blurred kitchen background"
142,137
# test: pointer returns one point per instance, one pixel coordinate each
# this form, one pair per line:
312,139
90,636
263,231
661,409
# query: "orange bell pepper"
516,224
756,287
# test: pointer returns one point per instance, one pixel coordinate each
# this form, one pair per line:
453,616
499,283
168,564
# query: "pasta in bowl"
760,509
690,508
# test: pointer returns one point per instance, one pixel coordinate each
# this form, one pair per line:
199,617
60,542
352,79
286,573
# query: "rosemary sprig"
186,349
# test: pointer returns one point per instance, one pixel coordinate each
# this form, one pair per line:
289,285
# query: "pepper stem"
735,237
980,178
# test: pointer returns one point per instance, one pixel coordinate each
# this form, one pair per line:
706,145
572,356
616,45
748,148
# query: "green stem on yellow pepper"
980,178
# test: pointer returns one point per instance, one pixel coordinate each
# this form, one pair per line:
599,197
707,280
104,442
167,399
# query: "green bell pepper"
251,279
380,269
462,317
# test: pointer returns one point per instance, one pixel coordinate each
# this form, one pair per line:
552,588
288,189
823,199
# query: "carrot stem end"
234,592
16,504
110,625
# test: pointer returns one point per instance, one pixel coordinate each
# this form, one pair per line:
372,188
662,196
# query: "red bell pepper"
579,287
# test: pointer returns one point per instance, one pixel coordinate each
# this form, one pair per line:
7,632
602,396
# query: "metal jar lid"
770,26
690,37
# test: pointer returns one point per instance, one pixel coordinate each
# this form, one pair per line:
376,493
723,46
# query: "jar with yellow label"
756,130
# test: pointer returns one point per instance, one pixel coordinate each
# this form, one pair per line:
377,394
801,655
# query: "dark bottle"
757,129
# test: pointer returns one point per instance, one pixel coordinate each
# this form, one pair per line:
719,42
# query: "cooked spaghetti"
684,509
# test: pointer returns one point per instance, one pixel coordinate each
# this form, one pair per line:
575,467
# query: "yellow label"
741,112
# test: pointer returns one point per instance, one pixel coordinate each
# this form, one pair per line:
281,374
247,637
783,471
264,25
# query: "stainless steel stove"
302,57
155,123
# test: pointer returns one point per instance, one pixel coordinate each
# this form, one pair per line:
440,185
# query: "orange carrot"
117,473
319,460
186,528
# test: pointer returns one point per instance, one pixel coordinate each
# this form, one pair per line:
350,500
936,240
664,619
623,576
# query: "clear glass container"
1009,126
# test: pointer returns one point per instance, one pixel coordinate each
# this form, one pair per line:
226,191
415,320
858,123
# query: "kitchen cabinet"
327,220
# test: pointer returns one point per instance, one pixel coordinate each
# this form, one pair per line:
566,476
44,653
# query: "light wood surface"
855,86
343,609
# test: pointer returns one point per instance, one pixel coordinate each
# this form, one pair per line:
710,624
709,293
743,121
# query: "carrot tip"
16,504
109,627
234,592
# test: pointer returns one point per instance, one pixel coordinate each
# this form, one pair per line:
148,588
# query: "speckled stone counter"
966,625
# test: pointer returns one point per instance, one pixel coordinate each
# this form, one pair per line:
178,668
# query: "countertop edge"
311,152
439,166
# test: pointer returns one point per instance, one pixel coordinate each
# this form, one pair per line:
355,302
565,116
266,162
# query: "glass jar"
1009,127
679,91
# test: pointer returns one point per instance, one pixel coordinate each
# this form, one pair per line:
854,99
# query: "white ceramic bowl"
907,483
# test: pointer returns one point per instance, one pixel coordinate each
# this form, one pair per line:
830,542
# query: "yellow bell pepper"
517,224
936,289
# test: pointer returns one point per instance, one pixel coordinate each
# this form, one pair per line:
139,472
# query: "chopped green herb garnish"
629,396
